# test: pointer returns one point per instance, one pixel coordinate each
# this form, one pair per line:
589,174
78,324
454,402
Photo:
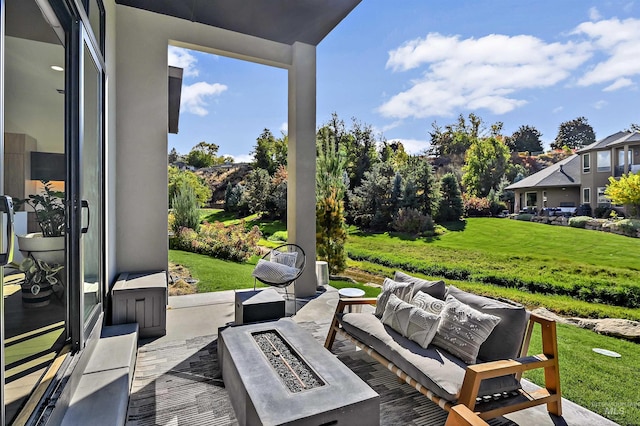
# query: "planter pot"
36,297
48,249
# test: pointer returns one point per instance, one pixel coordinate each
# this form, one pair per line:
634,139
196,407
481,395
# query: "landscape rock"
616,327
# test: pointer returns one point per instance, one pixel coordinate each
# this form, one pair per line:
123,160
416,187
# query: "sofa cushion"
463,329
403,290
505,340
429,303
284,257
434,368
434,288
410,321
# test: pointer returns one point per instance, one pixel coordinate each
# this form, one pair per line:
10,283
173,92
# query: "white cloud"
244,158
618,84
600,104
284,128
557,109
594,14
413,146
619,41
182,58
194,96
480,73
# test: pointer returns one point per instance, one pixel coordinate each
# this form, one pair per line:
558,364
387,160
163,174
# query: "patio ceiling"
283,21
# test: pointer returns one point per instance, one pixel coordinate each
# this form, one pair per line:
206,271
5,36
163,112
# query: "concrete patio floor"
198,318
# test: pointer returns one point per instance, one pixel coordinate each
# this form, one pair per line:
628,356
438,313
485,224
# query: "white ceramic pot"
48,249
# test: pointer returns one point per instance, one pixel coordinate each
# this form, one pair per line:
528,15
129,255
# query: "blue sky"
401,65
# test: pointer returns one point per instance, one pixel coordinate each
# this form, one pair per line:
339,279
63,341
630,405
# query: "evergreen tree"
331,232
370,203
450,207
185,208
173,156
419,174
574,134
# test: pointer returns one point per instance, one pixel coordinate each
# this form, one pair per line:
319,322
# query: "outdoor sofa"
481,388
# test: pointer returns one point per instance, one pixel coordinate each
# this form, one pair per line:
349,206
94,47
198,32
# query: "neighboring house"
582,178
89,79
556,186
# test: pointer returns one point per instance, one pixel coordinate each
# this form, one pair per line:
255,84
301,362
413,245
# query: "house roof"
612,141
283,21
562,173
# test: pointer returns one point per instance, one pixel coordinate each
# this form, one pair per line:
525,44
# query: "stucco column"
301,160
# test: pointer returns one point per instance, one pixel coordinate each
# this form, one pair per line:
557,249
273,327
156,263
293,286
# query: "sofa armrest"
460,415
548,361
342,304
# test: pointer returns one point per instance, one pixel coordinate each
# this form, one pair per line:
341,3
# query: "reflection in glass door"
34,162
91,179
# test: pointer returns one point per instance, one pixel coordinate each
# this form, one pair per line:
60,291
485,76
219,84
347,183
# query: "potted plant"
49,209
40,280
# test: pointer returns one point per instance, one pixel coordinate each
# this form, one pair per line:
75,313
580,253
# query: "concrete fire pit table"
276,373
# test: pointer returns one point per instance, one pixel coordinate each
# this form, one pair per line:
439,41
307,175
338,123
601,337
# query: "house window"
586,195
586,163
602,199
531,200
604,161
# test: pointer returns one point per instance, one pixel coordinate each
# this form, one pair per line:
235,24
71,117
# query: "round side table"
349,293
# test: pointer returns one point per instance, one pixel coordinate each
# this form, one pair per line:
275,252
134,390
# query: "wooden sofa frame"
548,360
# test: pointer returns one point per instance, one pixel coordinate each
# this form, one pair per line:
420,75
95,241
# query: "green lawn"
582,264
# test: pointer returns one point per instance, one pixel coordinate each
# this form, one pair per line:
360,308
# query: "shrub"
185,208
476,206
629,227
232,242
579,221
525,217
411,221
279,236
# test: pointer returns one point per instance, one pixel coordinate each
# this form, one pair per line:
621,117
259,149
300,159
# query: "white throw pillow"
284,257
427,302
410,321
273,272
463,329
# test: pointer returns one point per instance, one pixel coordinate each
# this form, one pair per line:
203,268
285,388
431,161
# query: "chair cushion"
434,288
274,272
410,321
403,290
505,340
434,368
283,257
429,303
463,329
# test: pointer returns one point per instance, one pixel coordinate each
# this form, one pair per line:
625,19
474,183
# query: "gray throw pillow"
436,289
403,290
463,329
427,302
410,321
506,339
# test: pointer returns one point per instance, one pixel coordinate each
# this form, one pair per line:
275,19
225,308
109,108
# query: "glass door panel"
33,162
91,179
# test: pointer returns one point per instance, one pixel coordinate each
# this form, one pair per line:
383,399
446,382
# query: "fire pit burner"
294,373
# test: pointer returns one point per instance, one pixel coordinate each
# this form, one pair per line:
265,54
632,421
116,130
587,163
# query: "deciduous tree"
178,177
574,134
626,191
487,160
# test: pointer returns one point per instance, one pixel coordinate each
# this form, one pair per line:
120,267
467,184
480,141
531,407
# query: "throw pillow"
284,257
462,329
427,302
274,272
403,290
410,321
436,289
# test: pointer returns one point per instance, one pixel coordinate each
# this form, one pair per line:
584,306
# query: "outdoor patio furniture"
489,387
281,267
